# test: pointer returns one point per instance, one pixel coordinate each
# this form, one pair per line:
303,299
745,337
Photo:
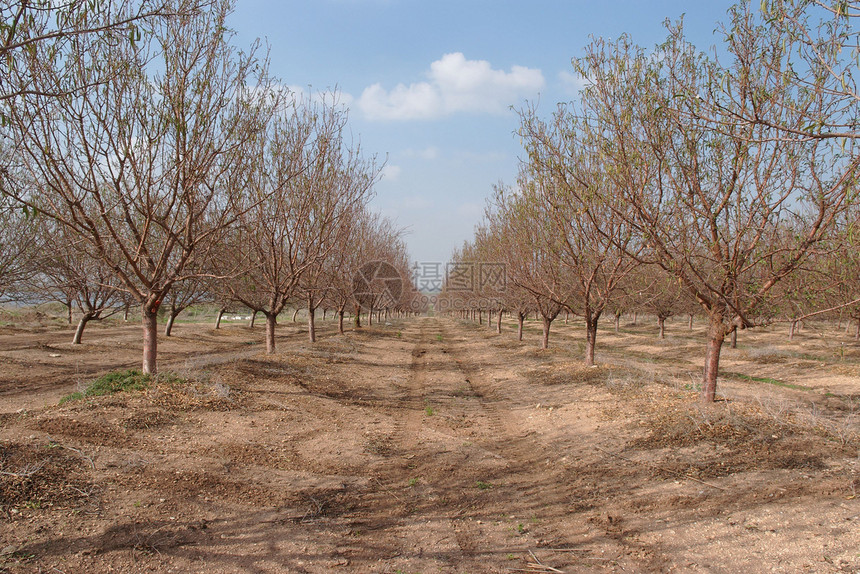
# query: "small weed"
439,338
521,528
399,335
693,386
76,396
428,410
510,556
413,481
137,504
33,504
483,485
116,382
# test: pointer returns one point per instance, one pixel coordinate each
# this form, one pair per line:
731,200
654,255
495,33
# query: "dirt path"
425,445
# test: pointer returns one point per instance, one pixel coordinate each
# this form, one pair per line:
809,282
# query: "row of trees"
145,157
728,183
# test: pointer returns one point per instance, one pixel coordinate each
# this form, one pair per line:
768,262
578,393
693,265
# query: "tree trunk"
312,328
716,336
617,321
590,337
253,319
857,333
734,339
520,318
271,322
149,314
125,313
546,323
169,326
635,315
480,317
324,312
370,317
357,317
499,323
661,322
691,321
340,313
174,313
69,306
295,314
221,312
80,330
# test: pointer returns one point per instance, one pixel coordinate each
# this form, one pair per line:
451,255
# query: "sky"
433,86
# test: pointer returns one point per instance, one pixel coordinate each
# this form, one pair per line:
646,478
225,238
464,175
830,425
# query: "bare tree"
382,281
710,195
595,245
350,186
305,186
804,50
369,237
20,247
530,249
141,162
67,272
654,291
183,295
56,30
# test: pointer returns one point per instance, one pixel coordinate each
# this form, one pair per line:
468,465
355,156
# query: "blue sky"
430,83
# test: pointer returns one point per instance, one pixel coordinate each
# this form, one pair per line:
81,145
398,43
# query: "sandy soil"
430,445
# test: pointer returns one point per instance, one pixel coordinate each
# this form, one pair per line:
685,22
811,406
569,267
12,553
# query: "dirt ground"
430,445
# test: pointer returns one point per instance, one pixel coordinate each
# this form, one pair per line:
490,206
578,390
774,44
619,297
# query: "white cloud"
572,83
391,172
417,101
428,153
454,84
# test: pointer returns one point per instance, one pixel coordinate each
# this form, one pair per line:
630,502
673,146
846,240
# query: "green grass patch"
766,380
110,383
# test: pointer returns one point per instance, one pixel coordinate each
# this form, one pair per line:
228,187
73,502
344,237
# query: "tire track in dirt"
537,473
425,496
524,454
464,457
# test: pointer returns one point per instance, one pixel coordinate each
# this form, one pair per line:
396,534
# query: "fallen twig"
538,566
388,490
25,472
92,463
660,468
